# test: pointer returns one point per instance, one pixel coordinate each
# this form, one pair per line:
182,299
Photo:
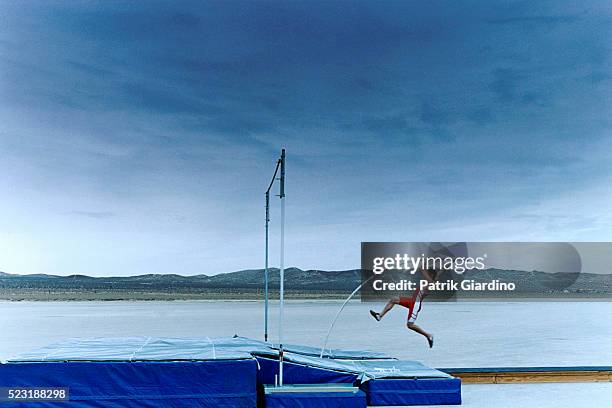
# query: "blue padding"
390,392
300,374
139,384
317,400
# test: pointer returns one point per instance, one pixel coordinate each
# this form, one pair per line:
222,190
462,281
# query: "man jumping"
411,304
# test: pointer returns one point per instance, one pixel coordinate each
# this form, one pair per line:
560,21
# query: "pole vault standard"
282,270
266,270
278,163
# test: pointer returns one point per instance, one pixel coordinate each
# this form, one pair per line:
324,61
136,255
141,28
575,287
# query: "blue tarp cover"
146,349
370,369
300,374
316,351
169,348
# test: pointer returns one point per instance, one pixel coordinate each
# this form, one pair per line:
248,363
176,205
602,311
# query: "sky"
139,137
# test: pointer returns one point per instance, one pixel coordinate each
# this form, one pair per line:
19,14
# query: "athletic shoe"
430,341
375,315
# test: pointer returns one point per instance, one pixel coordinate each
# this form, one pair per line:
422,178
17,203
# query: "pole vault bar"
525,375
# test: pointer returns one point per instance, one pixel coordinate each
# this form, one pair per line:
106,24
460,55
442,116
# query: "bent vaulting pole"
338,314
282,269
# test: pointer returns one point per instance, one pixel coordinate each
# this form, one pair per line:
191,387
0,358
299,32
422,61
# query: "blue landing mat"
424,391
201,384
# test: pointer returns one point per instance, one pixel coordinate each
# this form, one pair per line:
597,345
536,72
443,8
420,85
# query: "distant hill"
249,284
253,278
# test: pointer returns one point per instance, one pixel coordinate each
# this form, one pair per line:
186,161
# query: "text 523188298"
24,394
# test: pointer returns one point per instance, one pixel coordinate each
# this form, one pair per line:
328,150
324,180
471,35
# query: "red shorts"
406,301
410,303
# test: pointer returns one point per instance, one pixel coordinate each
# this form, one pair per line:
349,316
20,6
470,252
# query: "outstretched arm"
428,275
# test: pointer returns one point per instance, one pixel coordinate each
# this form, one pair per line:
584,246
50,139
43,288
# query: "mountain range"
249,284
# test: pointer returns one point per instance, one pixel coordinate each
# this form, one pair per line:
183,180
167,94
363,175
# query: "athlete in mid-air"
413,304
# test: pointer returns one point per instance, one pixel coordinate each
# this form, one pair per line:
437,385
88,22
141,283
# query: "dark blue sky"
139,137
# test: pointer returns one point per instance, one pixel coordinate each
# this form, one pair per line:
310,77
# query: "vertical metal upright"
282,269
266,270
280,163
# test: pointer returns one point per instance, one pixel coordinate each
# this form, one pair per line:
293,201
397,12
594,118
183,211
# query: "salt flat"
467,334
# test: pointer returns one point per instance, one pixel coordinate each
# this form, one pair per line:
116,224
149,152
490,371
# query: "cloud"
98,215
397,117
434,114
506,83
535,20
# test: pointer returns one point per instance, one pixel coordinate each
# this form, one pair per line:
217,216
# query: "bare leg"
422,332
389,306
